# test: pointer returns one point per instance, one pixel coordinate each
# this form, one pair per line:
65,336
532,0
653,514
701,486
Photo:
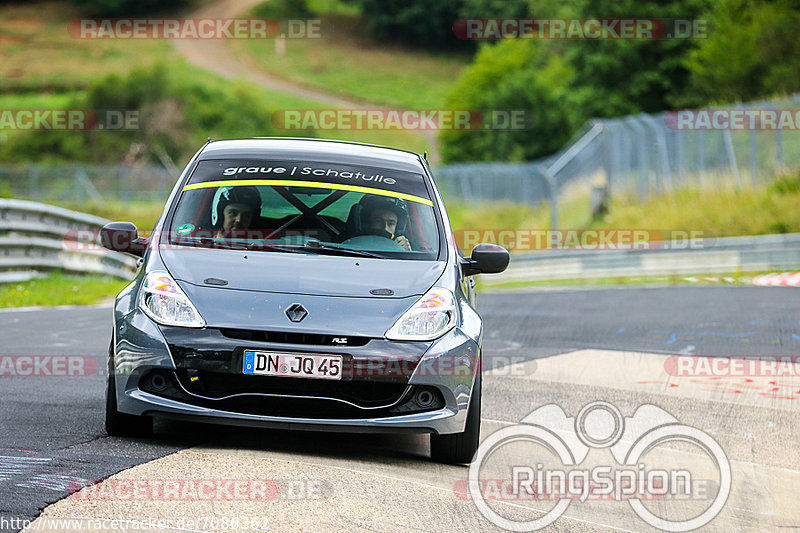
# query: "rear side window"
268,206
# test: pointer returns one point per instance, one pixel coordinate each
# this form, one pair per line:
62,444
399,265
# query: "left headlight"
432,316
163,300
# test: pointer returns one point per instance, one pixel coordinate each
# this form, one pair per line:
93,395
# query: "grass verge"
42,67
723,212
345,61
60,289
719,213
730,278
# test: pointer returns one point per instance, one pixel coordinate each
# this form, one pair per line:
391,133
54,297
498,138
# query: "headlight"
162,300
432,316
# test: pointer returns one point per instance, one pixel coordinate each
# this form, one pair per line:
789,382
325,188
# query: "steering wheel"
377,240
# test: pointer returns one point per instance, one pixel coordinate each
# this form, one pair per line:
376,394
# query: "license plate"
292,365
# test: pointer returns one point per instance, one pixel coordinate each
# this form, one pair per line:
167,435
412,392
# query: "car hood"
335,291
290,273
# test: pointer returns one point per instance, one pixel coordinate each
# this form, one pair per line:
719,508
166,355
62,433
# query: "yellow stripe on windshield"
312,184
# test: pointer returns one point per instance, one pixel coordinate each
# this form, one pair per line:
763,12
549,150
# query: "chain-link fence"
80,183
736,146
639,155
731,146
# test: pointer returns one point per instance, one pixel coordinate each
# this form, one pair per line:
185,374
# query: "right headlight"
432,316
163,300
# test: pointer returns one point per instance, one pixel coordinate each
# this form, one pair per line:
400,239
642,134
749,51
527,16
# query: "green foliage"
282,9
420,23
174,112
429,24
125,8
620,77
512,75
752,51
494,9
60,289
565,83
786,184
724,212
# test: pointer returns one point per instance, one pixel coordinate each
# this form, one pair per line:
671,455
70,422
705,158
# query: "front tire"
460,448
122,424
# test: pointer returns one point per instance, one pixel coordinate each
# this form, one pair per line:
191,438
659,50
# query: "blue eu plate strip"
249,362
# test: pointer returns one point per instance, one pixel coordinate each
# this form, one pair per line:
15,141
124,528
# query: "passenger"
237,207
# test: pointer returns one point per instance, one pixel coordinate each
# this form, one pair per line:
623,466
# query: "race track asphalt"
51,428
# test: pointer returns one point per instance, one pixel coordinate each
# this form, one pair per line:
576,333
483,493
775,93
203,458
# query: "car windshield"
309,207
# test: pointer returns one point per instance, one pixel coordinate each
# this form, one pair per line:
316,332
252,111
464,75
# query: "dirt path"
217,57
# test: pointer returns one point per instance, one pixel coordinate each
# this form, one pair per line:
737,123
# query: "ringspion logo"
636,443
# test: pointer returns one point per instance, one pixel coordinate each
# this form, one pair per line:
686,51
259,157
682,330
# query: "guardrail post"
33,181
552,189
701,156
76,185
726,136
753,158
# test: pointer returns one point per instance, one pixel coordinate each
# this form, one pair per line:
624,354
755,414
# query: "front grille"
221,384
298,397
288,337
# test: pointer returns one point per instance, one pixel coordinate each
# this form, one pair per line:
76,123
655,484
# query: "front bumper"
381,392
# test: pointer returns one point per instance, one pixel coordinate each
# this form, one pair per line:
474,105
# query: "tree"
416,22
616,77
125,8
752,51
512,75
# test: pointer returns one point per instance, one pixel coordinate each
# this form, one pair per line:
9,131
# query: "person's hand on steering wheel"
401,240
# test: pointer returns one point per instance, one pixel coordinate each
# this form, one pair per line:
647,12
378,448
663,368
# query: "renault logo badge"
296,312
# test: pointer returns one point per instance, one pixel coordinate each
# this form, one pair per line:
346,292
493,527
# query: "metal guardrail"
36,238
722,255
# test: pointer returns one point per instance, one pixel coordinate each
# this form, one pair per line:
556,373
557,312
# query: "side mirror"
486,259
123,237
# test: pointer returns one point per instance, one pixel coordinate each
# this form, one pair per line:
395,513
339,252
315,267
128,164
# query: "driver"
387,217
236,209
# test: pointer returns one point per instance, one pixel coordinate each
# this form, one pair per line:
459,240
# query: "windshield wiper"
317,247
312,247
209,242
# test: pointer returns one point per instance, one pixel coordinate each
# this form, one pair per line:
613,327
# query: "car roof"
312,150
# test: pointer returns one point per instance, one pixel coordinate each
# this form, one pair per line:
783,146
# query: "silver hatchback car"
307,284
